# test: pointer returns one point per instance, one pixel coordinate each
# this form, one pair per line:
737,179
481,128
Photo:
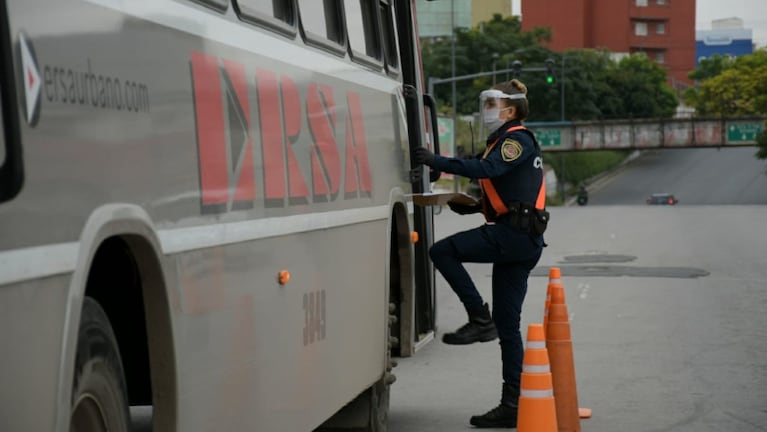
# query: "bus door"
11,171
421,127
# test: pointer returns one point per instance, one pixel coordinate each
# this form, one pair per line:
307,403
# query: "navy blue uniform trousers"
513,254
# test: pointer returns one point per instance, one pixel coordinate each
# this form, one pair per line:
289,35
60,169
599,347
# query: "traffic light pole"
434,81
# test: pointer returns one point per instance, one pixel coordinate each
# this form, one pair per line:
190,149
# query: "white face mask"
490,117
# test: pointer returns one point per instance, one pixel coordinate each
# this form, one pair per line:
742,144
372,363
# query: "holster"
525,217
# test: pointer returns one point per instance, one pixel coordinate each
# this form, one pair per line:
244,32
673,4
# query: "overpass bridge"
648,133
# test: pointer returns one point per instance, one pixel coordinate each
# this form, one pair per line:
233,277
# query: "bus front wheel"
99,392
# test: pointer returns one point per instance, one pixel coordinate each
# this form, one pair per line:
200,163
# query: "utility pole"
452,75
562,91
562,119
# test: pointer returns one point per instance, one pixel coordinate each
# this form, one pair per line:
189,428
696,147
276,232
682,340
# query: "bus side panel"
31,317
282,357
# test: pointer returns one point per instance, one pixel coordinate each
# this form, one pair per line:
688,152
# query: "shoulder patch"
511,150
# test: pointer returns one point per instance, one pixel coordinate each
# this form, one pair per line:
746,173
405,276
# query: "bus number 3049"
314,316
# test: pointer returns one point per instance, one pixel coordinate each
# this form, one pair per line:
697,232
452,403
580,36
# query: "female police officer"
510,173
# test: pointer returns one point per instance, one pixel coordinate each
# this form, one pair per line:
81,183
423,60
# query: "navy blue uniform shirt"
514,164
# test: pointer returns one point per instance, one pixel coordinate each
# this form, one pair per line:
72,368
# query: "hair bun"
519,86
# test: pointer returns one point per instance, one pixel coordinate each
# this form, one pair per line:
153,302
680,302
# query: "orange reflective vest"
489,191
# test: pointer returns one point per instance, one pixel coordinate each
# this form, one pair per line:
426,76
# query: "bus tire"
379,406
99,391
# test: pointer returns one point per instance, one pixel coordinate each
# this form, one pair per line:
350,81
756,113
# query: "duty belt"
525,217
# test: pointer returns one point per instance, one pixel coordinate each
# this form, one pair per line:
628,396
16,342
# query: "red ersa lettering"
227,142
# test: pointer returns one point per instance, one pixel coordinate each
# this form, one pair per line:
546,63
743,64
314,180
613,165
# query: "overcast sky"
752,12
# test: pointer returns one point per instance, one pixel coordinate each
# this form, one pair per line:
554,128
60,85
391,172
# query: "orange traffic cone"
560,346
537,409
555,277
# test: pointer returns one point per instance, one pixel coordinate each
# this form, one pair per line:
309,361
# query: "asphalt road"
695,176
667,305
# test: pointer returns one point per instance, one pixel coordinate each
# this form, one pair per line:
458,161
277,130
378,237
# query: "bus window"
215,4
391,52
362,30
279,15
321,23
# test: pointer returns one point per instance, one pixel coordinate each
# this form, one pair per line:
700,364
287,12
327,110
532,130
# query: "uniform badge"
511,150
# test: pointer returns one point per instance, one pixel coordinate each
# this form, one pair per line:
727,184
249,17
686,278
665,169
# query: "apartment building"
663,29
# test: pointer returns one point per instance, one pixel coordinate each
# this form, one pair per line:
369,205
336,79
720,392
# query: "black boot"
502,416
480,328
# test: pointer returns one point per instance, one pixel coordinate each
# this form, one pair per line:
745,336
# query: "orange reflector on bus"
283,277
414,237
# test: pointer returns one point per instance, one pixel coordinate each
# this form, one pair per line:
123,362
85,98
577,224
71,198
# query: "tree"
638,89
586,91
738,89
710,67
732,87
761,141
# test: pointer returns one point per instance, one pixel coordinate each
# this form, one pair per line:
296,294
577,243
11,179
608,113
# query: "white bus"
203,210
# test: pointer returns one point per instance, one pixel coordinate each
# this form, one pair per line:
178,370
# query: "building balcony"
651,12
651,42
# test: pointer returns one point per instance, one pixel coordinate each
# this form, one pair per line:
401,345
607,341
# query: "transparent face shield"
490,108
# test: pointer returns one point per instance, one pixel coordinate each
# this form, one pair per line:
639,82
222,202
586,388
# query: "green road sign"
740,132
548,137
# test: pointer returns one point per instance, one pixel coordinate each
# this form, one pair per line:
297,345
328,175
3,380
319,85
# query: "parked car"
662,199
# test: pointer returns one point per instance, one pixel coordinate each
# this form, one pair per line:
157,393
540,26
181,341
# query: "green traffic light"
550,79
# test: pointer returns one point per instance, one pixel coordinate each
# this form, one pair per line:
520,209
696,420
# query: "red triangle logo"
30,77
32,88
